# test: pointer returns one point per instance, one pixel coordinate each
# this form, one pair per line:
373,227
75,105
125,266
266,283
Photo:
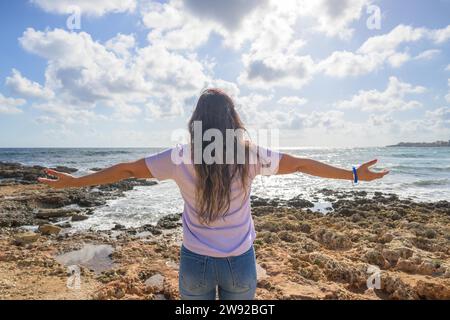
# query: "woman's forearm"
290,164
112,174
323,170
137,169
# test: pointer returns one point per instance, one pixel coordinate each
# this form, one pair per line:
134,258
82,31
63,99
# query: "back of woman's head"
215,117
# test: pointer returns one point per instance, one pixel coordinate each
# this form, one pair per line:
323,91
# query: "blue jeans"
234,277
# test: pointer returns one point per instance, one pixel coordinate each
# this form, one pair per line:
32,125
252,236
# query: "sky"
127,73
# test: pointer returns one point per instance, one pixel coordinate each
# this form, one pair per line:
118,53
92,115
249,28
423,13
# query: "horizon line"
168,147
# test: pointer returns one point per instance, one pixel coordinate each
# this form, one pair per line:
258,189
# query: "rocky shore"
301,253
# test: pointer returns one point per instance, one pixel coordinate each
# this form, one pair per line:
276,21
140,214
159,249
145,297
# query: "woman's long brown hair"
216,110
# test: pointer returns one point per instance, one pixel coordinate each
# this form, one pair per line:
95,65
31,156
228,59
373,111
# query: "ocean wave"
408,155
425,183
412,168
104,152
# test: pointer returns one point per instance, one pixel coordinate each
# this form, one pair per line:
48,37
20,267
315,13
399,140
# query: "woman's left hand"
365,174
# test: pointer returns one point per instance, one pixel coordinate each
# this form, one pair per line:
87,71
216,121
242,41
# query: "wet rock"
48,229
258,202
79,217
64,225
126,185
298,202
170,221
119,226
20,174
89,201
151,228
327,192
64,169
56,213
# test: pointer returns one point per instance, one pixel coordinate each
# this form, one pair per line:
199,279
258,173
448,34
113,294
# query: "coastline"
301,253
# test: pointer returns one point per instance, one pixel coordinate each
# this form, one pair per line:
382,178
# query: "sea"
420,174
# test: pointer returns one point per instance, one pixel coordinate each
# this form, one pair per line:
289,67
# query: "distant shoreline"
422,144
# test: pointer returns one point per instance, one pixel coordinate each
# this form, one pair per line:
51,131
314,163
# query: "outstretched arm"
136,169
291,164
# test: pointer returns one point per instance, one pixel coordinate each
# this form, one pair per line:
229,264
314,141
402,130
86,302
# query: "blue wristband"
355,175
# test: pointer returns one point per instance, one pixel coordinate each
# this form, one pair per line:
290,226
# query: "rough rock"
26,237
155,283
48,229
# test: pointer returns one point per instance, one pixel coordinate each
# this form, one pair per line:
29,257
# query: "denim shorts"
203,277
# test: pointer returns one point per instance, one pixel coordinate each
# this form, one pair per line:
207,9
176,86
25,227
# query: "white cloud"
269,27
397,59
10,105
277,70
173,27
440,35
447,68
391,41
427,54
84,73
440,117
334,17
66,114
447,97
393,98
257,111
229,14
345,63
89,7
121,44
27,88
229,87
378,50
292,101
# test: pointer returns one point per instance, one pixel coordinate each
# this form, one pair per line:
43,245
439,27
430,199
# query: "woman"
218,232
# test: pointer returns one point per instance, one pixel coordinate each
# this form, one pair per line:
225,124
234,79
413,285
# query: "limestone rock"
48,229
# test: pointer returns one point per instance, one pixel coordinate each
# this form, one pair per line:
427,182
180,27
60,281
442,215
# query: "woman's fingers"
53,173
370,163
381,174
47,181
51,183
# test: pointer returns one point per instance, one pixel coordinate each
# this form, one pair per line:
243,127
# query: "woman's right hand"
63,180
365,174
